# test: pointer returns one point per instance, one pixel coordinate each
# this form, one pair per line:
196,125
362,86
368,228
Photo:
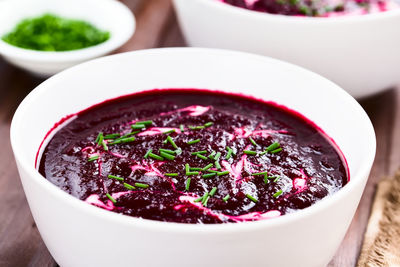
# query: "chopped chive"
207,167
193,142
149,122
187,168
101,138
266,181
182,128
172,174
276,150
112,136
105,147
187,184
98,137
216,157
278,193
138,126
167,155
217,165
212,171
170,131
263,153
205,197
273,146
127,139
154,156
205,201
213,191
147,153
209,175
129,134
250,152
196,127
115,177
199,152
201,156
211,156
226,198
252,198
195,169
111,198
165,141
168,151
198,199
252,141
208,124
277,178
259,173
128,186
141,185
93,158
229,154
192,173
223,173
171,141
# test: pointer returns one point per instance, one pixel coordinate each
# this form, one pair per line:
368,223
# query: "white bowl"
108,15
78,234
359,53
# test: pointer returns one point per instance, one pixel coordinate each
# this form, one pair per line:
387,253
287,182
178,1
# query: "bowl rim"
263,16
162,226
117,39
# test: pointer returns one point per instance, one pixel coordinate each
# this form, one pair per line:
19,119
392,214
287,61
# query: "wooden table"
20,242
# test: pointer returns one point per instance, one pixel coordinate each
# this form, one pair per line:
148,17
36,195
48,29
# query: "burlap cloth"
381,245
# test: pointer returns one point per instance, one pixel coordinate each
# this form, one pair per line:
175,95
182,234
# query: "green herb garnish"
173,174
259,173
209,175
277,194
250,152
138,126
213,191
53,33
115,177
223,173
171,141
193,142
128,186
154,156
167,155
252,141
141,185
201,156
252,198
207,167
147,153
111,198
93,158
149,122
187,184
208,124
226,198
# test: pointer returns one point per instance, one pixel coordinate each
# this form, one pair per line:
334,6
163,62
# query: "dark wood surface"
20,242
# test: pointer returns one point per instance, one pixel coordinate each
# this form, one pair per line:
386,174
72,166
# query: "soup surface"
193,156
316,8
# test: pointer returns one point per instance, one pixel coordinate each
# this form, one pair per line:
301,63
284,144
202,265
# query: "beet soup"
193,156
313,8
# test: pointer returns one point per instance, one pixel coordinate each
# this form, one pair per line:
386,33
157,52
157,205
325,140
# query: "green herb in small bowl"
53,33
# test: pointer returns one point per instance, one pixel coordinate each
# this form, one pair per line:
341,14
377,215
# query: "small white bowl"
359,53
107,15
78,234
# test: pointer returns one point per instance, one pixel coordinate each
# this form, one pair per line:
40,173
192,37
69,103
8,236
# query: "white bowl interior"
336,112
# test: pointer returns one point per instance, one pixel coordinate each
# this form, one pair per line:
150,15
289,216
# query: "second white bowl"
360,53
108,15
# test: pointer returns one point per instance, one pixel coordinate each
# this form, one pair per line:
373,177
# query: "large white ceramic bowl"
359,53
108,15
78,234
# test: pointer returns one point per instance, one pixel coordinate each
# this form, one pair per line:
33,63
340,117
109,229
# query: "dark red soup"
316,8
193,156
